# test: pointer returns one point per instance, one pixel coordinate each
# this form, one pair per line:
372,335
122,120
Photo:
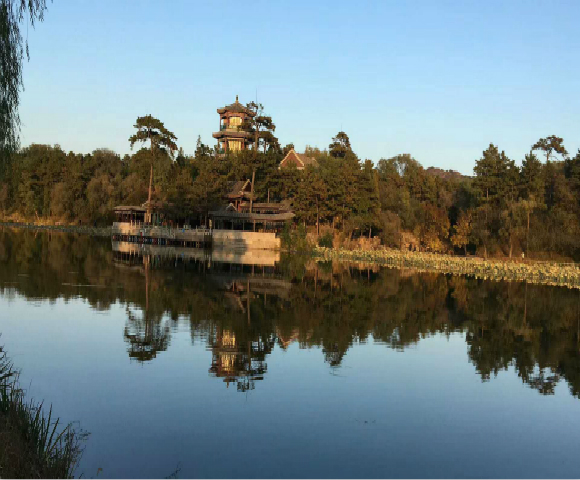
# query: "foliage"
549,145
340,146
262,128
462,231
295,239
326,240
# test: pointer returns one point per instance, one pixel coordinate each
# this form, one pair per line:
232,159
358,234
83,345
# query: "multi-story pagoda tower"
232,135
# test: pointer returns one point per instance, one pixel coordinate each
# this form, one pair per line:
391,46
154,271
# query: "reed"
34,445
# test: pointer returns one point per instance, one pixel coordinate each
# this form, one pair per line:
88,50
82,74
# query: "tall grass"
33,445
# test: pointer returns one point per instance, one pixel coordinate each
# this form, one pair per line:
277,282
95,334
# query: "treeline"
503,210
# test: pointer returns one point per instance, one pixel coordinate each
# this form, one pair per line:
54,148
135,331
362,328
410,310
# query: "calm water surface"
258,366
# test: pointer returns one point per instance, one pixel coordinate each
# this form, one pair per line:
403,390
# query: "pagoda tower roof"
236,107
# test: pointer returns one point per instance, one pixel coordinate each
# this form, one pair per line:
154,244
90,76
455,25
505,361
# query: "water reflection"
245,306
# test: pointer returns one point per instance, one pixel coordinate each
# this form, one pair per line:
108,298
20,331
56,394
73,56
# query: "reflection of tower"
242,361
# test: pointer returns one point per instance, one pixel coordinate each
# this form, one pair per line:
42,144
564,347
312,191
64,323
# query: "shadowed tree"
151,129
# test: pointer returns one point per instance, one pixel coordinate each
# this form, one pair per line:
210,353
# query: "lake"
190,363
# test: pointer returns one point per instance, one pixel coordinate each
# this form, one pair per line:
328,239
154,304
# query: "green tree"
462,231
340,146
550,145
310,201
260,126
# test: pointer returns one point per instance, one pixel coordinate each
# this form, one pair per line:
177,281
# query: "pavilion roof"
301,160
236,107
239,189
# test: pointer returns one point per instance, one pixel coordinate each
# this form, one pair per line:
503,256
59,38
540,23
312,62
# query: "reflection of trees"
533,329
146,336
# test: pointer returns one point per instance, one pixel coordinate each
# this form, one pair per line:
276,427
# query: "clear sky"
438,80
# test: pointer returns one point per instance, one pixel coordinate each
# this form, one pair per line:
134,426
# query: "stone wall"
249,240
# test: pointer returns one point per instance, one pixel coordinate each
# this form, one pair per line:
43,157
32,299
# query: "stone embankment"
94,231
546,273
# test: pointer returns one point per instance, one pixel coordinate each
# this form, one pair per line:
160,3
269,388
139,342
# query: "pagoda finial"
237,99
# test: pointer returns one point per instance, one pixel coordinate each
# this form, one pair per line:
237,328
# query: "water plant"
33,445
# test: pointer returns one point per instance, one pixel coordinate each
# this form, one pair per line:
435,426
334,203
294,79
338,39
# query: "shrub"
326,240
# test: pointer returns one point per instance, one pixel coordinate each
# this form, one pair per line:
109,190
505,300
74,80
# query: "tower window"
235,121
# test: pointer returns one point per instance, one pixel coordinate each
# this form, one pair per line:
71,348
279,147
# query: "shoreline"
532,271
536,272
87,230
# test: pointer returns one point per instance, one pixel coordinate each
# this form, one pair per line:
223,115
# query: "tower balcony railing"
233,128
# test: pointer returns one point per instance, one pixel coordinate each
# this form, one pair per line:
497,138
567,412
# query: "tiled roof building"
301,160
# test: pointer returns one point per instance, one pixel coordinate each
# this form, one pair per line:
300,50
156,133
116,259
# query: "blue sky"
439,80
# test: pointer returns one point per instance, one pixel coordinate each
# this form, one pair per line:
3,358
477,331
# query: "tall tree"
340,145
310,201
532,179
550,145
153,130
260,126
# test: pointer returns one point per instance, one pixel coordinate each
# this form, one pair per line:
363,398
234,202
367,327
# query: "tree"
549,145
434,228
287,148
340,145
532,180
310,201
153,130
260,126
208,187
489,173
462,231
12,47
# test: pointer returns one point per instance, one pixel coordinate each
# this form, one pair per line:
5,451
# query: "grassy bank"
32,443
548,273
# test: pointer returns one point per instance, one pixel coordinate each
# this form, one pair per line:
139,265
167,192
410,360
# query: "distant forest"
502,210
